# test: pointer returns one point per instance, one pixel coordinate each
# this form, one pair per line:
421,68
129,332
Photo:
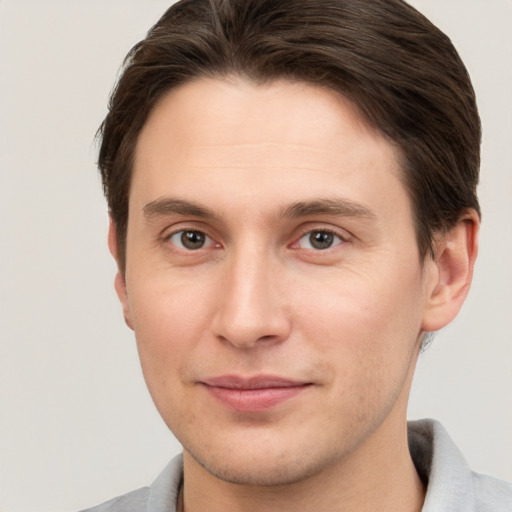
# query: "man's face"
272,279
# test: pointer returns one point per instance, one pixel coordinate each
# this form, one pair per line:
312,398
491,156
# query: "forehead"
233,111
262,143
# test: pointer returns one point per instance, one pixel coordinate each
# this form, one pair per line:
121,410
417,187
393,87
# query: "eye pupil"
321,239
192,239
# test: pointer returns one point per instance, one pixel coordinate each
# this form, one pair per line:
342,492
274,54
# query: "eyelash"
182,232
333,237
330,233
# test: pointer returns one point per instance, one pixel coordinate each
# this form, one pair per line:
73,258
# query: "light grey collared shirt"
451,485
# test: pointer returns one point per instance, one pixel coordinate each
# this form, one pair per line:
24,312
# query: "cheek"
169,322
367,326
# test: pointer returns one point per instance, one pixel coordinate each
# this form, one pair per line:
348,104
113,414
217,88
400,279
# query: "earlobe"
119,282
451,272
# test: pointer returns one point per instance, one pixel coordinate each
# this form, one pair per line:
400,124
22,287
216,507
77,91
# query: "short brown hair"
402,72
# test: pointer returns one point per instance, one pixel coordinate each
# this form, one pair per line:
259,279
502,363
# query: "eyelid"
342,234
170,231
308,236
207,244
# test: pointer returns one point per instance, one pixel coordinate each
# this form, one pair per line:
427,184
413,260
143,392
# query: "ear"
119,282
450,272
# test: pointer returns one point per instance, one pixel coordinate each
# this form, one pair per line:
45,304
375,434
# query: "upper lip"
253,382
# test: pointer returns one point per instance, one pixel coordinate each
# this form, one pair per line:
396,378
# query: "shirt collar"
442,467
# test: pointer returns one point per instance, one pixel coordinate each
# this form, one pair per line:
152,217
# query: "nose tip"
250,311
245,324
245,336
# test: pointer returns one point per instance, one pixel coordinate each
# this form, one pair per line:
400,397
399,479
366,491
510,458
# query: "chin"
261,475
261,468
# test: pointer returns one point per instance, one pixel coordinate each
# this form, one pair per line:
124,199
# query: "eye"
319,240
190,239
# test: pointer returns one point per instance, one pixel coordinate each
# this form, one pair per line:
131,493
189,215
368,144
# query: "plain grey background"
77,425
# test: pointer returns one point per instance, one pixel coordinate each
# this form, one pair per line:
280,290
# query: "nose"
250,306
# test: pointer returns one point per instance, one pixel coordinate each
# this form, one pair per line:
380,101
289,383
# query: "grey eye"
190,239
319,240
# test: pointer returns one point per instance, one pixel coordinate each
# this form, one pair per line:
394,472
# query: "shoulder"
491,494
134,501
159,497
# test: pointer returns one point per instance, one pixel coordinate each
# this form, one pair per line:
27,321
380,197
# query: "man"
292,191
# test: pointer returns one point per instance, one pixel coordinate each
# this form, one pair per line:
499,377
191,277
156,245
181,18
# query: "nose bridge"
250,308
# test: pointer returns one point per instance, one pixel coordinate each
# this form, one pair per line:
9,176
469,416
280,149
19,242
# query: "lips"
253,394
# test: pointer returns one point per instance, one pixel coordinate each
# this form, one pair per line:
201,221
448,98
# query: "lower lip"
254,400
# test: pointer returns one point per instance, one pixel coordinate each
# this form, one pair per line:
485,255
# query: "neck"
371,479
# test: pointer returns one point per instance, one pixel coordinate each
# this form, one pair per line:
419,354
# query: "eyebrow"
168,205
336,206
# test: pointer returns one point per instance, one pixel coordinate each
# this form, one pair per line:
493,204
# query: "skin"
255,170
